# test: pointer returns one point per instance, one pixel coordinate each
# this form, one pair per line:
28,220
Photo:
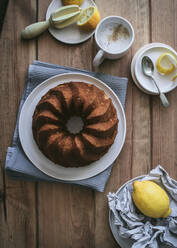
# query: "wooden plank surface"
18,207
137,111
70,210
164,120
59,215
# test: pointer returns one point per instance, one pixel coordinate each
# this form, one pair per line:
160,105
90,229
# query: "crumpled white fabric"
142,230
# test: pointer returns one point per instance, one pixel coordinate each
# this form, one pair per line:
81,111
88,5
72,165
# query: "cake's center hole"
75,124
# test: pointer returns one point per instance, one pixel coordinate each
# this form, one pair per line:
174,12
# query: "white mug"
105,31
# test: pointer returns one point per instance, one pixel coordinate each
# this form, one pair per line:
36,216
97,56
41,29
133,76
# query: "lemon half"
166,63
151,199
65,16
89,18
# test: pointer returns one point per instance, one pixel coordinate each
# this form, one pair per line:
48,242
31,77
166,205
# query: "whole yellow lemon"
151,199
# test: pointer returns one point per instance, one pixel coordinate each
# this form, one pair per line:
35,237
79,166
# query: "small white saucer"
153,50
133,70
71,34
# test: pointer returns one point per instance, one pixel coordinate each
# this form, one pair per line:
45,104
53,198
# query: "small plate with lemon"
144,209
82,29
164,58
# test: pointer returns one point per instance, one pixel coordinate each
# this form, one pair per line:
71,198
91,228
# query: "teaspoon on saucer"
148,69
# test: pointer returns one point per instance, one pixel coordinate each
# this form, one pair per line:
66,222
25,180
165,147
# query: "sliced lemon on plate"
65,16
69,2
89,18
166,63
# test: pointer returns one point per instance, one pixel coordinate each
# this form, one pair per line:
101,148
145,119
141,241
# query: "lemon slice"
69,2
65,16
174,78
89,18
166,63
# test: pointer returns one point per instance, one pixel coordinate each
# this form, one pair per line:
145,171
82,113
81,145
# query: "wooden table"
56,215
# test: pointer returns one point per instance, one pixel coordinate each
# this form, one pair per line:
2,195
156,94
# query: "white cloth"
137,230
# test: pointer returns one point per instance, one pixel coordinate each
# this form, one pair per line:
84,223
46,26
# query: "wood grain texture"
69,210
18,216
60,215
164,121
135,157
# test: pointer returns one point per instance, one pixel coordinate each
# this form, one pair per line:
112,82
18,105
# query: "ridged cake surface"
52,113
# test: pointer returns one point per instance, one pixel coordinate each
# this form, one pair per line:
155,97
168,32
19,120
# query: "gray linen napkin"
17,165
132,229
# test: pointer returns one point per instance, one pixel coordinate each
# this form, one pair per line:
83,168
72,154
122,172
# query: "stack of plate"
153,50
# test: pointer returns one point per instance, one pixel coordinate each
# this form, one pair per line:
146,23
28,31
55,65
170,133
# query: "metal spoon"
148,69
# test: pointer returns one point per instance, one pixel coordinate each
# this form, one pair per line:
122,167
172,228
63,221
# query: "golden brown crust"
57,106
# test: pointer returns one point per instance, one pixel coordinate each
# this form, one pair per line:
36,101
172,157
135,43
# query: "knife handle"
34,30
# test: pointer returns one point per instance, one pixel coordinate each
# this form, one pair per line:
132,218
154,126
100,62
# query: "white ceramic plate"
124,243
38,158
164,82
133,67
141,50
71,34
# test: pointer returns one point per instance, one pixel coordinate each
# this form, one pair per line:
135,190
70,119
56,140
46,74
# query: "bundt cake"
57,107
